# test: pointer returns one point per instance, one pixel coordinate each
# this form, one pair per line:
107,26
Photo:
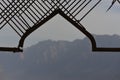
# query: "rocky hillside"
63,60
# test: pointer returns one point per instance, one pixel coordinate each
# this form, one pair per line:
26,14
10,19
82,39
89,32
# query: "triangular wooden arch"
58,11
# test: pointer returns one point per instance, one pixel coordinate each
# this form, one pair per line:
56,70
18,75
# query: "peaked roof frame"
79,26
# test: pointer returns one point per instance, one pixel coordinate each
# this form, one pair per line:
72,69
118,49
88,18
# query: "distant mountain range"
63,60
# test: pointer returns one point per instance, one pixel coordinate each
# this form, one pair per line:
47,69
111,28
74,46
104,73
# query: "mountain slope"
63,60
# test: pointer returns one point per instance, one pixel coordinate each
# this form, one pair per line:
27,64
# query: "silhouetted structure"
26,16
113,2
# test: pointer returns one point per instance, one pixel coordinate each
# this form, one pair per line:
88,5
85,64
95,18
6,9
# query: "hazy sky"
97,22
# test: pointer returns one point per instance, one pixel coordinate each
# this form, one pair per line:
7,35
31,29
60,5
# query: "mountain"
63,60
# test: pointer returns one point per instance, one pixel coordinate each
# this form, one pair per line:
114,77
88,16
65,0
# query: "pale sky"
97,22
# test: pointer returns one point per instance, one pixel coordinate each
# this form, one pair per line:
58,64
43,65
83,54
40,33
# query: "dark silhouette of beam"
11,49
113,2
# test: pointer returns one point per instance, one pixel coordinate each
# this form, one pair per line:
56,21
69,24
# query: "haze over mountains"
63,60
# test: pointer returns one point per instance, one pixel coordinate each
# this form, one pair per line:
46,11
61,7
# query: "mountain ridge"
63,60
